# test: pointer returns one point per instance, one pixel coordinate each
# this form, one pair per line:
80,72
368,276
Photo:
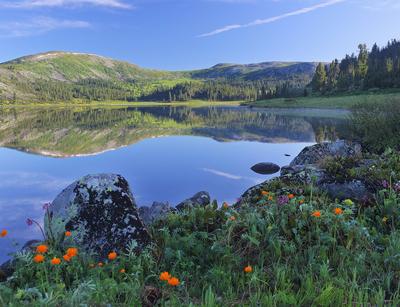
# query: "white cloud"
28,4
272,19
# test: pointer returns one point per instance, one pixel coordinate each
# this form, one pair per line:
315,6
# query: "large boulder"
201,199
265,168
317,153
101,213
157,210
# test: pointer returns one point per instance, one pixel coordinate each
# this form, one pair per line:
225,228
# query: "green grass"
329,102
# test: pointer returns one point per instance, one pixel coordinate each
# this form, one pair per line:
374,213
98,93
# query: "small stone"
265,168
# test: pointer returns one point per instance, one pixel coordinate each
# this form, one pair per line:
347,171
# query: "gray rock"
303,174
354,190
199,199
101,213
265,168
156,211
317,153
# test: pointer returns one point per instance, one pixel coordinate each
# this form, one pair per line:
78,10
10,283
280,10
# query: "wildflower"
316,214
72,252
301,201
3,233
46,206
122,271
385,219
67,258
112,255
232,218
173,281
248,269
348,202
338,211
29,222
55,261
283,199
270,197
385,184
165,276
225,205
68,233
264,193
38,258
42,249
291,196
100,264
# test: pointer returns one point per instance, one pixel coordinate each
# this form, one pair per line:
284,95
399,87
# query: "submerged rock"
265,168
101,213
199,199
157,210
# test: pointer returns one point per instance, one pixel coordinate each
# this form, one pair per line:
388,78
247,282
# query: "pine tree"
320,78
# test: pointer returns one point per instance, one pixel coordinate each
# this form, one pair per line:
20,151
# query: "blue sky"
187,34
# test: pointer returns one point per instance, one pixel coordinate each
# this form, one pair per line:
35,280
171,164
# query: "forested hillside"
378,68
63,76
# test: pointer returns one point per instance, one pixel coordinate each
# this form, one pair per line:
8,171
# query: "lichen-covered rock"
156,211
355,190
101,213
317,153
201,199
265,168
304,174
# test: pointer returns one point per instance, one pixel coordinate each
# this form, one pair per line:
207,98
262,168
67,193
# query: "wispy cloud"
38,26
272,19
29,4
231,176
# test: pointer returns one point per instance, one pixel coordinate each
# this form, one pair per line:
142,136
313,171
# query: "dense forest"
378,68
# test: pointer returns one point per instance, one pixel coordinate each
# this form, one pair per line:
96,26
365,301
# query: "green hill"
64,76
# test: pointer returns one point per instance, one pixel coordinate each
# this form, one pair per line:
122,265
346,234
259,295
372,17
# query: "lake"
166,153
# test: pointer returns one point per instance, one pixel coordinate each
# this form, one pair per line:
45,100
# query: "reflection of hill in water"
79,131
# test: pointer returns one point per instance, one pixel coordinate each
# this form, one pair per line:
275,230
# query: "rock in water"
265,168
101,213
201,199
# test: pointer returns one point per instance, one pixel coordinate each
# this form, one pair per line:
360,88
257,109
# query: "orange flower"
68,233
338,211
55,261
173,281
42,249
264,193
38,258
291,196
164,276
100,264
225,205
112,255
3,233
72,252
248,269
67,258
316,214
122,271
232,218
301,201
270,198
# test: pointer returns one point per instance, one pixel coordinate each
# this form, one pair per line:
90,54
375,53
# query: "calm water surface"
166,153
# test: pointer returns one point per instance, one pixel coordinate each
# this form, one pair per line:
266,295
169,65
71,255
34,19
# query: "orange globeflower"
100,264
264,193
316,214
338,211
173,281
165,276
122,271
72,252
112,255
301,201
248,269
38,258
291,196
67,258
270,198
55,261
42,249
3,233
68,233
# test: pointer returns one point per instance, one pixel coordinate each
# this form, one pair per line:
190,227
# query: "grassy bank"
330,102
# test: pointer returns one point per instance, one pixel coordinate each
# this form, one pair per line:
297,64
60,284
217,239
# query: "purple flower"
385,184
29,222
397,187
282,199
46,206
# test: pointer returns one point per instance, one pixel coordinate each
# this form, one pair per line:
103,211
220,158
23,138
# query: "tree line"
378,68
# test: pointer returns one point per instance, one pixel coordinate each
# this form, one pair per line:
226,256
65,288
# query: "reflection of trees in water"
221,123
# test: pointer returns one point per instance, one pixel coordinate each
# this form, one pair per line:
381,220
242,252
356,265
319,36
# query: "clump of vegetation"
284,247
341,168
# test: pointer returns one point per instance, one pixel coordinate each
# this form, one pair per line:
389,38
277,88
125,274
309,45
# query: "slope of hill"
58,75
